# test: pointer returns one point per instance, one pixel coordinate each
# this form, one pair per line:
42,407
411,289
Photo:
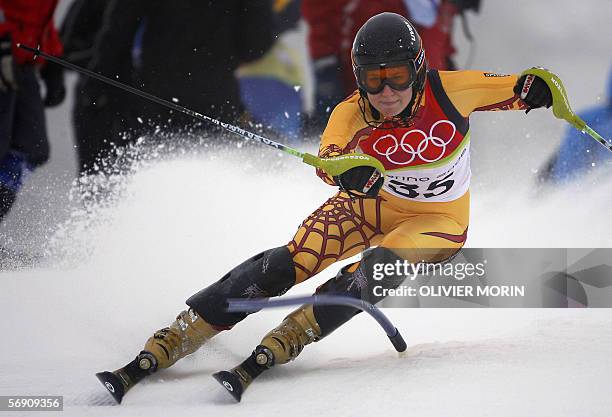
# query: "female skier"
415,121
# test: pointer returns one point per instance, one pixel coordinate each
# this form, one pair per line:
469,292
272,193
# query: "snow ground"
117,273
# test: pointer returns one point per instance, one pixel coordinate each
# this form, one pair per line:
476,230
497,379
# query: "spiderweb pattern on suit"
338,227
328,152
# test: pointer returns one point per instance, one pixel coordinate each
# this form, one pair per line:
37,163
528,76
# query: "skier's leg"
393,227
338,229
310,323
184,336
432,238
302,327
426,238
267,274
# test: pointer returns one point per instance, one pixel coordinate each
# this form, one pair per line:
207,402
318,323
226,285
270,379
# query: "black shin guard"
268,274
357,284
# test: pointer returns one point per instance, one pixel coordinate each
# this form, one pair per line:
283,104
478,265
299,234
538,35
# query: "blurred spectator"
270,86
97,123
185,51
334,23
79,29
24,145
578,153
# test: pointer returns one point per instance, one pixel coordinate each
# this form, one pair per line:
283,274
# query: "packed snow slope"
119,265
120,274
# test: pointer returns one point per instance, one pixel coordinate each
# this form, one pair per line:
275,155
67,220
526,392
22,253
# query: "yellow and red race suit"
424,201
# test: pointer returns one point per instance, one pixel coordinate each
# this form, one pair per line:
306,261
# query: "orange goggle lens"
374,79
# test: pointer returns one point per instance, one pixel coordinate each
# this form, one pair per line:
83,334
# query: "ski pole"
561,106
250,305
332,166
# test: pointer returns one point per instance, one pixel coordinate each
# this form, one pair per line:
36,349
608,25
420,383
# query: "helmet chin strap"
411,109
375,113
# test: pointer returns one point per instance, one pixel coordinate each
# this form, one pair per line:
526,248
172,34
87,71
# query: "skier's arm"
471,91
336,135
339,138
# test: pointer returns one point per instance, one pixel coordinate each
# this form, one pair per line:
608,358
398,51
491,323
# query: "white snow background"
116,272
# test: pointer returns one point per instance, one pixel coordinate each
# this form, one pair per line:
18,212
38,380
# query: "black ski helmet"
388,38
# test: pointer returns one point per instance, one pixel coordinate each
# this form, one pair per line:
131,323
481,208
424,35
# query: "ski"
239,378
119,382
233,383
115,384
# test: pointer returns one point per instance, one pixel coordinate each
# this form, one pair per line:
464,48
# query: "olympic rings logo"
424,144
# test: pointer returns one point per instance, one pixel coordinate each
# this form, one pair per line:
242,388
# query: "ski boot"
183,337
281,345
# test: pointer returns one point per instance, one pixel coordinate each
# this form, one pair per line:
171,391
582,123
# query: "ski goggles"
373,78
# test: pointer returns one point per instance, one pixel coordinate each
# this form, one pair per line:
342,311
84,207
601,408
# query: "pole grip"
561,106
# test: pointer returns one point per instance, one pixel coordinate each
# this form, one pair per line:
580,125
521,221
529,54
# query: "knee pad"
356,284
359,282
268,274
